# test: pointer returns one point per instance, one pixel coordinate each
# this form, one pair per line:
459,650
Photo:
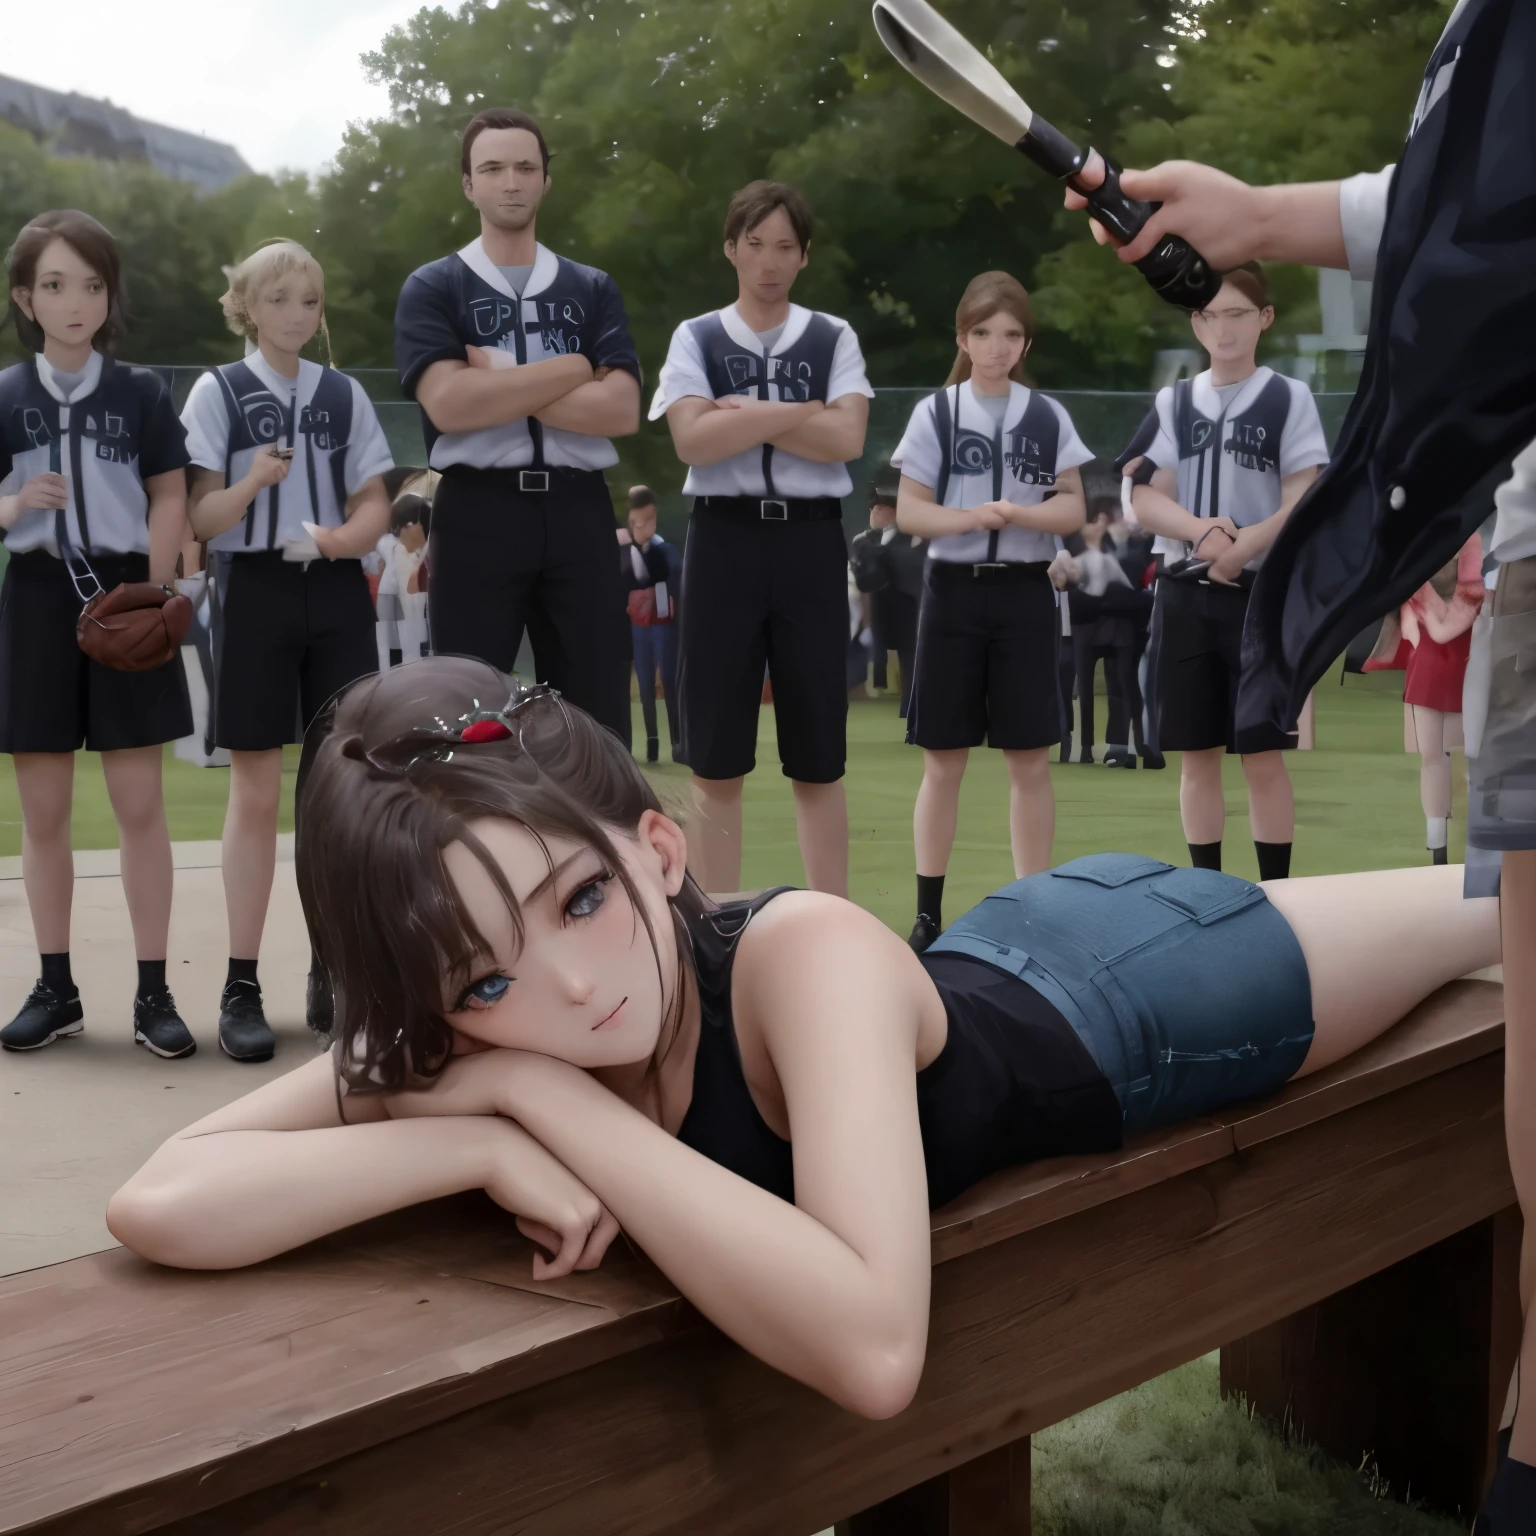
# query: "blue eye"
587,899
486,992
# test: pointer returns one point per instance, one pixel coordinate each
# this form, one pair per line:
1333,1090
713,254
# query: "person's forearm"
167,530
721,432
468,399
1159,513
606,407
10,509
1063,513
1300,221
230,1198
215,511
785,1287
367,522
830,437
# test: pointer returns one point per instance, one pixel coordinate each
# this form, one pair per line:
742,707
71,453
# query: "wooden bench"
1352,1243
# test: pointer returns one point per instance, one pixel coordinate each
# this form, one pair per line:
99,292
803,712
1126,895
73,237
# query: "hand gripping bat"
928,47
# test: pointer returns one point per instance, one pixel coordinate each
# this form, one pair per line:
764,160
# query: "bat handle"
1177,272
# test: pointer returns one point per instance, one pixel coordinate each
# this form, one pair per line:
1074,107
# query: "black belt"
990,570
774,509
531,481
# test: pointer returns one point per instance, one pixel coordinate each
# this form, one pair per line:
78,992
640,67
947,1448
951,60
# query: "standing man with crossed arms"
523,366
767,403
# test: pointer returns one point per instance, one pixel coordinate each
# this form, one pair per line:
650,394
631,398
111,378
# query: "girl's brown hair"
990,294
384,798
1252,282
92,243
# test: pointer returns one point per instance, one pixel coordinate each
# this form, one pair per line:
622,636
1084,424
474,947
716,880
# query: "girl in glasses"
92,493
534,998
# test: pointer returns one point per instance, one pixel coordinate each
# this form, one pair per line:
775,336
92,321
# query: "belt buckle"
533,480
979,566
781,515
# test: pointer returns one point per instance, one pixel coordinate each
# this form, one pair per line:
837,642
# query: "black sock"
1206,855
1274,860
56,975
396,658
930,897
241,970
151,977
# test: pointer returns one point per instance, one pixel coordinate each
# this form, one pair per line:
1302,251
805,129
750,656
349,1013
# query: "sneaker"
44,1018
244,1033
319,1005
1151,759
1119,757
1085,755
157,1025
924,932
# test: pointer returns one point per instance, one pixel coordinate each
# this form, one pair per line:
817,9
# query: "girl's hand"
266,469
990,516
43,493
1228,564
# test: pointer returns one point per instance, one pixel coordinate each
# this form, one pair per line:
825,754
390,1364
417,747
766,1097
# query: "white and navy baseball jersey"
813,357
969,449
465,300
327,419
107,434
1232,446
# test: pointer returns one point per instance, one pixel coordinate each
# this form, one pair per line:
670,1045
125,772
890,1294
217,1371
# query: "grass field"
1170,1457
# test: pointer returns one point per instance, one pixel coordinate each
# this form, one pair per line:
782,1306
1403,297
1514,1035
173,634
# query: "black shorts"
762,593
503,559
53,697
987,644
1194,660
286,637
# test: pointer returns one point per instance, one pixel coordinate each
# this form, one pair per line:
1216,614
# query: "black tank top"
1012,1083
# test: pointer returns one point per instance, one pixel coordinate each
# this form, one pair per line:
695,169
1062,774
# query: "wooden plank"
985,1497
696,1435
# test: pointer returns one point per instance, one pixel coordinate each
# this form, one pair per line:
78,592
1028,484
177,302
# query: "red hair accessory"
486,730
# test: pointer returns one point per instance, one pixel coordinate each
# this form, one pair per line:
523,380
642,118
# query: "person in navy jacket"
524,368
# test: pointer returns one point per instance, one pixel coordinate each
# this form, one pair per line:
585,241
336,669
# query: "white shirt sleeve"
206,418
917,454
1514,529
1071,450
1164,452
368,453
1363,213
1302,444
682,374
848,377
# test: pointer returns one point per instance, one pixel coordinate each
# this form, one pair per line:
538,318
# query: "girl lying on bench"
533,998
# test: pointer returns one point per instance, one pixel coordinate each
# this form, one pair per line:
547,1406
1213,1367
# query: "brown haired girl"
989,474
535,999
92,493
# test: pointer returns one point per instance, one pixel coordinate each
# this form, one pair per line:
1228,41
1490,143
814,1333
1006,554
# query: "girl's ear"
663,840
22,298
960,342
1266,317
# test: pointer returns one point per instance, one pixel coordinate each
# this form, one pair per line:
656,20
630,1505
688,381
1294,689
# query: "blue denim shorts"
1187,987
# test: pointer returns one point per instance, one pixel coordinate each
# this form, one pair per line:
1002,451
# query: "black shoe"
157,1025
1440,855
319,1005
44,1018
1065,755
1510,1508
1119,757
1086,755
652,750
244,1033
1151,759
924,932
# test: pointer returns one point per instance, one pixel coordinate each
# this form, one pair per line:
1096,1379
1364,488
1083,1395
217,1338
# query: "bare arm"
1159,513
367,521
213,507
832,436
707,431
1063,513
459,398
834,1289
1225,219
167,523
242,1184
918,513
608,406
1256,540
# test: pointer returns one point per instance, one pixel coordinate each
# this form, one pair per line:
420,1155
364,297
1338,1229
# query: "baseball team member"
651,569
767,403
989,474
1223,459
523,366
888,566
288,491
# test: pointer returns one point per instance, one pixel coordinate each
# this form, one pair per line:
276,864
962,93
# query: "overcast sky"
278,79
